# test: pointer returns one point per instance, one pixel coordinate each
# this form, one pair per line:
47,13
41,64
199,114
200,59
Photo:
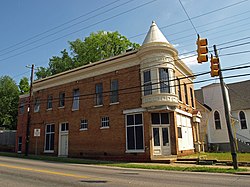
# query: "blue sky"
22,20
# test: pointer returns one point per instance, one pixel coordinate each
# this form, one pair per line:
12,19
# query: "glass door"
161,141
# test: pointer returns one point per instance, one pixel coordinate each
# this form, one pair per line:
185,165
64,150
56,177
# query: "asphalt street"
28,173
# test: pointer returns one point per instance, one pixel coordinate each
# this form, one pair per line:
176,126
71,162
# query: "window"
243,122
19,149
192,96
179,89
98,91
21,108
37,105
84,124
49,102
61,99
105,122
134,130
76,95
147,82
64,127
49,137
164,80
186,94
160,118
179,132
217,120
114,91
172,79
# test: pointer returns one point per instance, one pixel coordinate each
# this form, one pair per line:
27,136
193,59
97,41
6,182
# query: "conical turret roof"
154,35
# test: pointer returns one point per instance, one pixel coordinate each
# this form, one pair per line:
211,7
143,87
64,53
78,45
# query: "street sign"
36,132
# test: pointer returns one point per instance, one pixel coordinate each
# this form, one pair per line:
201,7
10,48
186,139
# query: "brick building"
135,106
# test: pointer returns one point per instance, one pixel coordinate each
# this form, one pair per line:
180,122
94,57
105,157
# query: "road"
28,173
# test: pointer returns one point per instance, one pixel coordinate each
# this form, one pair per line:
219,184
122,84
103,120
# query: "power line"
209,23
188,17
192,55
65,23
92,25
236,45
235,53
195,17
68,27
121,91
221,36
213,29
104,20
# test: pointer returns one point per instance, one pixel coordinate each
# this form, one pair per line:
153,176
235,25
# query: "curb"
242,173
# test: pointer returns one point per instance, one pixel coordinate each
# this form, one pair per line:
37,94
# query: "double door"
161,140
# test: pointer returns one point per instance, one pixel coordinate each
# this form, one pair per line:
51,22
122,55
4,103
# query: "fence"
7,140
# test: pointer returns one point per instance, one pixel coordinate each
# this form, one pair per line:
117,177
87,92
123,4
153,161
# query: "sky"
31,32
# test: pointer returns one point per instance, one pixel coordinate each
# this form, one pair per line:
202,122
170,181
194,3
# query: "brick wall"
94,141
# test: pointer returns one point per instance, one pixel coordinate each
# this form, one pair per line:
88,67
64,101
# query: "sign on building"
36,132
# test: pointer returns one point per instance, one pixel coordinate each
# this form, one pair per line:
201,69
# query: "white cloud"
189,59
176,45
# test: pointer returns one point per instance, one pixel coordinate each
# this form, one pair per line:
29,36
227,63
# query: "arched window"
243,122
217,120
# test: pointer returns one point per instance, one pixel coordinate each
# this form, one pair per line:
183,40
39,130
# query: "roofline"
205,106
85,66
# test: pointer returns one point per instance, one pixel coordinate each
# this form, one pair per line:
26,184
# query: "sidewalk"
212,166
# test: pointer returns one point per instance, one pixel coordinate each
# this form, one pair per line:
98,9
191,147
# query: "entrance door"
161,141
63,140
64,145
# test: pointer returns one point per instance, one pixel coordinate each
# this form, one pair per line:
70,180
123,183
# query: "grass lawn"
242,157
194,168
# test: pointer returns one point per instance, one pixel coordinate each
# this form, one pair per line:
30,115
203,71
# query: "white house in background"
214,122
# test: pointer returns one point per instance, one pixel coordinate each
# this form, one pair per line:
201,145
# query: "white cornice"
87,71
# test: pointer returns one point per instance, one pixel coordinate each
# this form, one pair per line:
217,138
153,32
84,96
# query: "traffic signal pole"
227,115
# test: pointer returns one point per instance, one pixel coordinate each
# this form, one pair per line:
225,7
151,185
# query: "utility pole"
227,115
28,117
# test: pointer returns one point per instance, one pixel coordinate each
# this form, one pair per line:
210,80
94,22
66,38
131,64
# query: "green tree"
97,46
24,86
8,102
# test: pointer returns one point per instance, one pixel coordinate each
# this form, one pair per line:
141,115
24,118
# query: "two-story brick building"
135,106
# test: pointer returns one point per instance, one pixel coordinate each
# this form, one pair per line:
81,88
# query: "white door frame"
161,150
61,133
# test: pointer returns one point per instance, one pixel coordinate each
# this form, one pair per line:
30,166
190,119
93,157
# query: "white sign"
36,132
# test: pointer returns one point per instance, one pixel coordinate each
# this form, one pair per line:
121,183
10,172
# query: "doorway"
63,139
161,141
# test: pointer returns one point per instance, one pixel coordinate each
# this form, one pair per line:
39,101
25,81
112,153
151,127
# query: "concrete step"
185,162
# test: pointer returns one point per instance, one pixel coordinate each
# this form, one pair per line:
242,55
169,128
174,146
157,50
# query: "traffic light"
202,49
214,66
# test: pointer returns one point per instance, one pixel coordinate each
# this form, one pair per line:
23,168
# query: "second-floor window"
98,92
61,99
21,108
49,102
114,91
186,94
192,97
76,97
217,120
179,89
164,80
147,84
37,105
243,122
